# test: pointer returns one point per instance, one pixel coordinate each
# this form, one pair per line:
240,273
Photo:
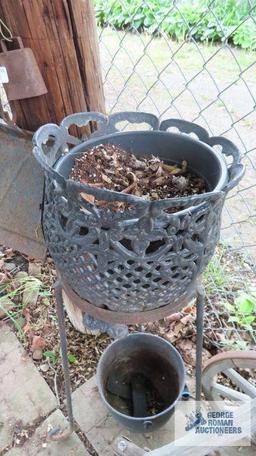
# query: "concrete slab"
25,397
37,445
101,429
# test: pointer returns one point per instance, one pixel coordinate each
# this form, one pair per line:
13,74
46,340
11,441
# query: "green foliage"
233,21
51,356
226,286
233,344
215,272
243,310
72,359
215,276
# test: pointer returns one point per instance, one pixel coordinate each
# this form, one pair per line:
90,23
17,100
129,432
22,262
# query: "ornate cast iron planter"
143,258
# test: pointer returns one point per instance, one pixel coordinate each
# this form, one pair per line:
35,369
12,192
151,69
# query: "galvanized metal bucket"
126,359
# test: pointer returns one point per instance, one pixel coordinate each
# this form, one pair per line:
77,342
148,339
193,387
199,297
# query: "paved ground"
27,405
214,86
102,430
38,446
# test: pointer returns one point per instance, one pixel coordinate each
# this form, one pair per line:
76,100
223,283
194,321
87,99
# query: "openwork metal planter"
145,257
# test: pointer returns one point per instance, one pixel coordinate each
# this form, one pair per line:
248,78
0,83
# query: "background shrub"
233,21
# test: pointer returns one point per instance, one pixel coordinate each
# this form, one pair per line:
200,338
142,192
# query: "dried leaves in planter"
108,166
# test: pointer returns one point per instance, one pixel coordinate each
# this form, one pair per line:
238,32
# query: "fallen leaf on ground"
3,277
34,269
31,292
38,343
37,354
27,315
6,305
188,351
188,318
9,253
174,317
27,327
174,331
19,279
185,344
87,197
189,309
171,337
178,328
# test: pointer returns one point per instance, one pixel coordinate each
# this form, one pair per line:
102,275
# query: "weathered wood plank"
86,42
62,35
123,446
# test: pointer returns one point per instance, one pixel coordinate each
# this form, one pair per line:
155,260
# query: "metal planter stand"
200,299
127,267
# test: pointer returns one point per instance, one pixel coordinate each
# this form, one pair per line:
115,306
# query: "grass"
178,79
14,290
218,277
214,275
230,291
160,50
232,344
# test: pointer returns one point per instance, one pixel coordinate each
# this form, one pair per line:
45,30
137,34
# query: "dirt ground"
27,302
214,86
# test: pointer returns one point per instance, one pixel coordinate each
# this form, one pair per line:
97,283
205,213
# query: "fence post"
62,35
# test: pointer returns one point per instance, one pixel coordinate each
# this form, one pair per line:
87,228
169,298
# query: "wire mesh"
213,85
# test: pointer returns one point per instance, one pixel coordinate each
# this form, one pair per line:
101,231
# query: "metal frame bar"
64,357
199,338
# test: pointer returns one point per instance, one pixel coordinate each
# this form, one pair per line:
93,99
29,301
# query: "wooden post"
62,35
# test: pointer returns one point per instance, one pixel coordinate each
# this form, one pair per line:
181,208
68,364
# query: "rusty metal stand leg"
199,338
64,356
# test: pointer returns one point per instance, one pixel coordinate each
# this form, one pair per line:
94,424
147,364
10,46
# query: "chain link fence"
212,84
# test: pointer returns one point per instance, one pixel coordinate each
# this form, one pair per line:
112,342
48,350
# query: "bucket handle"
81,119
14,38
185,127
147,424
132,117
236,169
51,140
